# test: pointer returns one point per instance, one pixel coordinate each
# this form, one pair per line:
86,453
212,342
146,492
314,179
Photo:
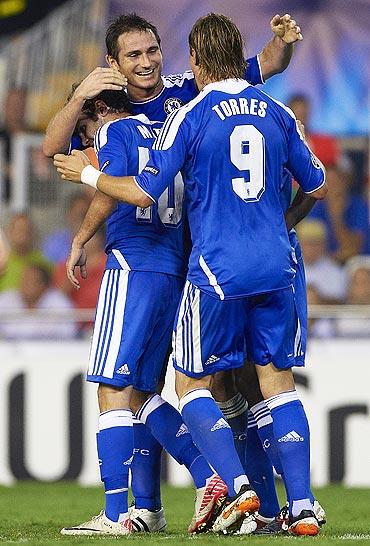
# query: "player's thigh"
111,398
274,381
271,327
208,334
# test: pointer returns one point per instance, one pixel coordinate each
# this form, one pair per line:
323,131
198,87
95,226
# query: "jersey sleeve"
306,168
253,73
167,156
111,143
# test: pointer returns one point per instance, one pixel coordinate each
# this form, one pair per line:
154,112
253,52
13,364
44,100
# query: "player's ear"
112,62
194,56
101,108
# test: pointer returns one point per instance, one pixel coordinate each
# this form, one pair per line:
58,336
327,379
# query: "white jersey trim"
121,260
212,278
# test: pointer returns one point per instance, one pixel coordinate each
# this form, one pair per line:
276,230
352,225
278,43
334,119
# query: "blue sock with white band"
115,443
265,429
212,435
292,435
167,426
260,472
235,412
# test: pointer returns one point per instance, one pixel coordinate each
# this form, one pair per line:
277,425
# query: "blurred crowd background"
45,47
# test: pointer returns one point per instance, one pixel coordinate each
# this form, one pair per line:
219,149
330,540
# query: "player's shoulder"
119,130
278,106
178,80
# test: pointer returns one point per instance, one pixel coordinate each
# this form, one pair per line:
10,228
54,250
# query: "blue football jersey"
179,89
232,143
139,239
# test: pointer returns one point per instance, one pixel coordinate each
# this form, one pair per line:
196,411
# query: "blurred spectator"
358,294
87,296
35,292
4,251
56,245
344,215
317,327
324,146
322,272
21,236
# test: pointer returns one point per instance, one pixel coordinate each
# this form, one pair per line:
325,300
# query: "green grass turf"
34,513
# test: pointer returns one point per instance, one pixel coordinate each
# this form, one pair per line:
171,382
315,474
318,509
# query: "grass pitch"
34,513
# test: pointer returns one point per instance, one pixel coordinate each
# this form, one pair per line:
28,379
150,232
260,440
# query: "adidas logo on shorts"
221,423
182,430
123,370
292,436
212,359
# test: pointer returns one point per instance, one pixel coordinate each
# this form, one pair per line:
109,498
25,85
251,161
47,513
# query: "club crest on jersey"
315,162
172,104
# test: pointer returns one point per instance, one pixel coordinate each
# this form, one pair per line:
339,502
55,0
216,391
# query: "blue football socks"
146,469
167,426
212,435
115,445
235,412
292,436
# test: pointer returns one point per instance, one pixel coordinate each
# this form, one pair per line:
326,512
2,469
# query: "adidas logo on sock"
123,370
221,423
292,436
182,430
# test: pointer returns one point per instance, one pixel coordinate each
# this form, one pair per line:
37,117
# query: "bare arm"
100,208
61,127
301,206
276,54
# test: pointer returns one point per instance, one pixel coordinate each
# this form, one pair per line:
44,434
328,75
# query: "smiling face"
140,60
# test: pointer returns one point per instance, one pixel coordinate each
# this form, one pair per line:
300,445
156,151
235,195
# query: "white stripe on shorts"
297,340
109,322
187,344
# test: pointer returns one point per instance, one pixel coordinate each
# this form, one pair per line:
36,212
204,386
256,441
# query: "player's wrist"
90,176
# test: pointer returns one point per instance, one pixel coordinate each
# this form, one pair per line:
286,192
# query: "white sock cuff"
251,420
234,407
281,399
262,414
115,418
193,395
153,403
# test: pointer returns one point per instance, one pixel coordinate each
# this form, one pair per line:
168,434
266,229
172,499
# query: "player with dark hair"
138,298
232,143
135,59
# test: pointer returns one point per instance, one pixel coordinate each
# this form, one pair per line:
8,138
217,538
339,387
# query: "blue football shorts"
211,335
133,328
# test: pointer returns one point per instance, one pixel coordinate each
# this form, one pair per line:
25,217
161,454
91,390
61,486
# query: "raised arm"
61,127
276,54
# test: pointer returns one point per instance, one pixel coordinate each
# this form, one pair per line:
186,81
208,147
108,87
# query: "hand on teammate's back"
98,80
286,28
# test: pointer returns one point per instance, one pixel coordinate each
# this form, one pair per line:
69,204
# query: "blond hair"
218,47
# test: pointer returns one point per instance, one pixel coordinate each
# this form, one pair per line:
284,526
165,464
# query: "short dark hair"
126,23
218,47
117,101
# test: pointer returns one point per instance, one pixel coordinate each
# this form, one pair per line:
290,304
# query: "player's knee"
223,386
111,398
247,384
138,399
273,381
